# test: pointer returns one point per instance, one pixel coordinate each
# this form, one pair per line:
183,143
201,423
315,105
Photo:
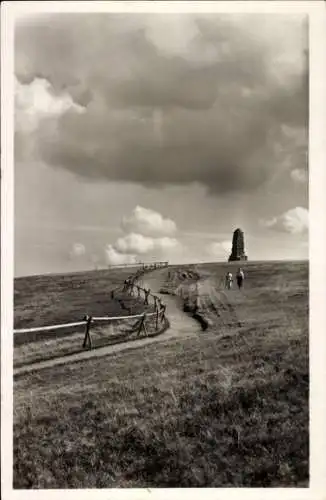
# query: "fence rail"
130,286
145,265
117,318
49,327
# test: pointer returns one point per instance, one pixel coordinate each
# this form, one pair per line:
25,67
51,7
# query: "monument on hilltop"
238,249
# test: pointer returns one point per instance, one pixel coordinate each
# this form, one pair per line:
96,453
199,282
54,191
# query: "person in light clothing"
240,278
228,280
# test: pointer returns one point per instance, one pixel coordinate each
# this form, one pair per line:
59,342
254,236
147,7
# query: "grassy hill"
225,408
63,298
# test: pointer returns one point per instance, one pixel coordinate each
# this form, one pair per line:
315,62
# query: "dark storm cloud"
212,112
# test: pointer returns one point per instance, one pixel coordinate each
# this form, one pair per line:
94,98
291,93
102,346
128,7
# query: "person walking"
240,278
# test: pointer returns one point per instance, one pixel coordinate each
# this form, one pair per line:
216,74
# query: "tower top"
238,248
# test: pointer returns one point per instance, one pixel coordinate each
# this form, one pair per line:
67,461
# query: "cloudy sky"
146,136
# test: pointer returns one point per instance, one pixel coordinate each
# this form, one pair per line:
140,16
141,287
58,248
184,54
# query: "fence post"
147,292
142,325
156,319
163,312
87,338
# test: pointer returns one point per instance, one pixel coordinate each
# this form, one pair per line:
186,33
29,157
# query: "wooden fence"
144,265
130,286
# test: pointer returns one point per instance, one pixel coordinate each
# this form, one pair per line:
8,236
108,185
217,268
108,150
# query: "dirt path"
181,326
180,323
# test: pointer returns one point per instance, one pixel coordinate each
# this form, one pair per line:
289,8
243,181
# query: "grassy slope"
56,299
204,412
47,300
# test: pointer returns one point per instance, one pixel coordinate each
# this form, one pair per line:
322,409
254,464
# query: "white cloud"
299,175
134,243
148,223
138,244
294,221
78,250
36,100
115,258
146,234
219,249
166,243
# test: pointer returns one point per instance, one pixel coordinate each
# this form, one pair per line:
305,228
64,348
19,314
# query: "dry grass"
51,300
229,408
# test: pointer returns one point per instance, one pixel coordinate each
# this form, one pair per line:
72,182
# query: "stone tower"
238,250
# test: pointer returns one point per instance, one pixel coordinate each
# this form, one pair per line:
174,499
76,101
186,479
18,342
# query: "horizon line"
122,266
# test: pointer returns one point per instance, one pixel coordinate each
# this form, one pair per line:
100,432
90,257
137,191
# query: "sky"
143,137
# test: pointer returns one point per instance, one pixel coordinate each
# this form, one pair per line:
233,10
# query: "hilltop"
223,407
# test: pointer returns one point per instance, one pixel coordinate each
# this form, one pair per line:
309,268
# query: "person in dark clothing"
240,278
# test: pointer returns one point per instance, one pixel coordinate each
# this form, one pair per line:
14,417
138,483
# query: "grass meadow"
228,407
59,299
64,298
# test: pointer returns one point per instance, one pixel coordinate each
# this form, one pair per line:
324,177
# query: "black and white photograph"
161,310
